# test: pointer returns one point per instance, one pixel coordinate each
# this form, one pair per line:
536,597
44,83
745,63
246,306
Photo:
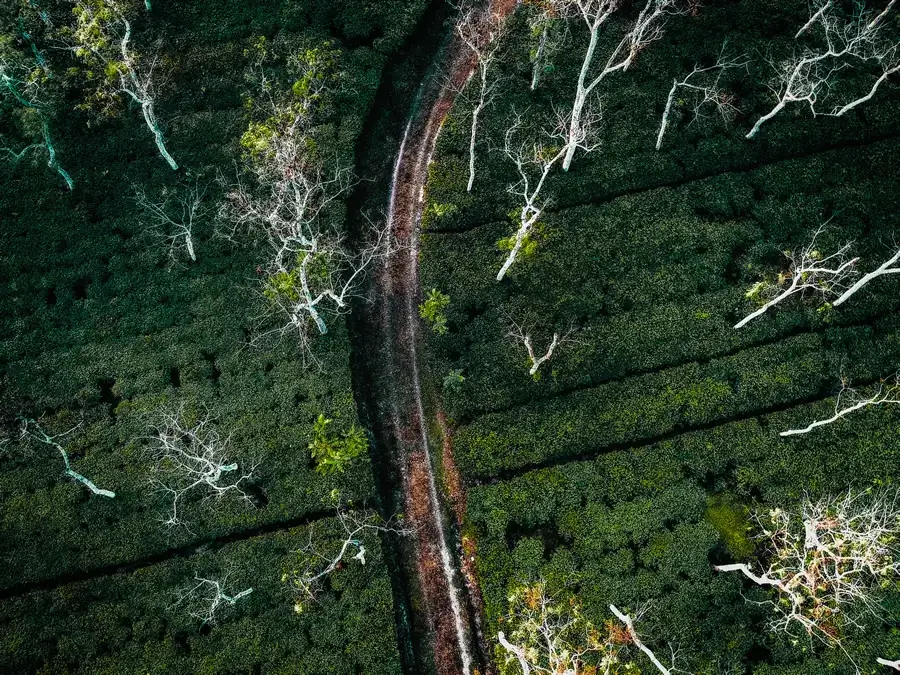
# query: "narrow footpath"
443,598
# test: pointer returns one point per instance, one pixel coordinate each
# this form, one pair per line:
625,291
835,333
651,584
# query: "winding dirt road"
445,601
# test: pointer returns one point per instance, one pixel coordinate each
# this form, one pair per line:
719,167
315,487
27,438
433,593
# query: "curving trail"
408,424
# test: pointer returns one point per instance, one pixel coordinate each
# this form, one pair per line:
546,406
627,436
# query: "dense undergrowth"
100,329
627,466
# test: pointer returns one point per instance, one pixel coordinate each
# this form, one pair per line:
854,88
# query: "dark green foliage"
658,428
99,330
127,623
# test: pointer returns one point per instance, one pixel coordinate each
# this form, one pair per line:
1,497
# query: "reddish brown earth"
447,599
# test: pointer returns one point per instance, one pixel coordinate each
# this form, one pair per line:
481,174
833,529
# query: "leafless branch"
849,400
811,272
207,597
191,457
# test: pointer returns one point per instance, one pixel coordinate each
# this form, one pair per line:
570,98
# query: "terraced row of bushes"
101,330
656,278
784,373
132,622
647,524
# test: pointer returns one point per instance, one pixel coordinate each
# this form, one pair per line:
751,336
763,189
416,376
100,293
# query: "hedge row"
640,408
632,107
129,623
667,286
646,524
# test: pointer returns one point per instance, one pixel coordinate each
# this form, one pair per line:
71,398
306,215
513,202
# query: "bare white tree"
552,637
521,334
31,429
314,566
647,28
828,562
849,400
889,266
703,83
534,162
173,214
26,84
811,272
191,457
482,33
310,272
809,75
102,38
207,597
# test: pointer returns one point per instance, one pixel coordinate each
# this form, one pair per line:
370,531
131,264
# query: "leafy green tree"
333,452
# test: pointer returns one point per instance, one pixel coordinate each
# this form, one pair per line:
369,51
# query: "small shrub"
433,310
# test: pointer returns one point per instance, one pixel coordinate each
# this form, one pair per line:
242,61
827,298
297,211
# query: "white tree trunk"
581,94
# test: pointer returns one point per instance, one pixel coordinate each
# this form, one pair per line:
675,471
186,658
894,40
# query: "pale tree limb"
521,334
113,54
827,563
883,14
809,76
546,26
646,28
849,401
314,567
26,87
810,272
32,429
629,625
707,91
190,456
173,215
534,163
482,34
890,664
207,597
889,266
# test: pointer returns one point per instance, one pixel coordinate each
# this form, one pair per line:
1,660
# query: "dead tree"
283,195
173,215
890,664
827,562
31,429
849,400
888,267
521,334
548,636
647,28
811,272
27,85
102,39
809,76
636,640
314,566
190,458
482,35
207,597
534,162
704,84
